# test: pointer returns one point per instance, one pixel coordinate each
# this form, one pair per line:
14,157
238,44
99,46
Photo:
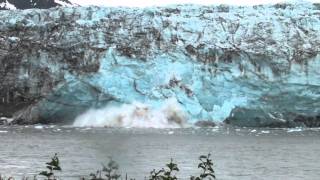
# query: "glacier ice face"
250,66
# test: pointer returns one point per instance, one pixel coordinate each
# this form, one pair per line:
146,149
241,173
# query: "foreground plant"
206,165
109,172
165,173
52,166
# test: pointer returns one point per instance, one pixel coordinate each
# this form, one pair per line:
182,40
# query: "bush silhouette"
110,172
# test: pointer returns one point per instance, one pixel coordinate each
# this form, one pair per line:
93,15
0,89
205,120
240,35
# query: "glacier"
242,65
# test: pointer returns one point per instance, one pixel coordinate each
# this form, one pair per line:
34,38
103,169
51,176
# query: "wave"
137,115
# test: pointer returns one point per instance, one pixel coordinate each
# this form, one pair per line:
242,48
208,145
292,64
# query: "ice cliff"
248,66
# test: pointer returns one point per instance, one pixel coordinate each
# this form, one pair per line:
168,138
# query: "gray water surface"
237,153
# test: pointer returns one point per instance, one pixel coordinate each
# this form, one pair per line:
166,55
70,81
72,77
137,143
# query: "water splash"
138,115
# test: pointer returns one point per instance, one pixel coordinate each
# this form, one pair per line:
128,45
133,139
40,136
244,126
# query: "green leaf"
210,169
201,166
57,168
212,175
45,173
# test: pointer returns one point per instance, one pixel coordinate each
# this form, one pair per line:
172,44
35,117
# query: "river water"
237,153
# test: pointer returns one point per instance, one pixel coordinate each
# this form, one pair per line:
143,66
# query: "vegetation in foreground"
111,171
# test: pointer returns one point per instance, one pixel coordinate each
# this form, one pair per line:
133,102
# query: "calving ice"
136,115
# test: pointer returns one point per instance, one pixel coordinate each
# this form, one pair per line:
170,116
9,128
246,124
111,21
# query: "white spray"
137,115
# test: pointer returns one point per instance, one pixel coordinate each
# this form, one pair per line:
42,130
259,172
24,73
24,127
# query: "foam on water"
137,115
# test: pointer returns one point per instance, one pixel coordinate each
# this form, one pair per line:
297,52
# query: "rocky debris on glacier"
29,4
250,66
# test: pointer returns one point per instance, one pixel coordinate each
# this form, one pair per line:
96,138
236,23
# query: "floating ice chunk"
38,127
265,132
294,130
215,129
